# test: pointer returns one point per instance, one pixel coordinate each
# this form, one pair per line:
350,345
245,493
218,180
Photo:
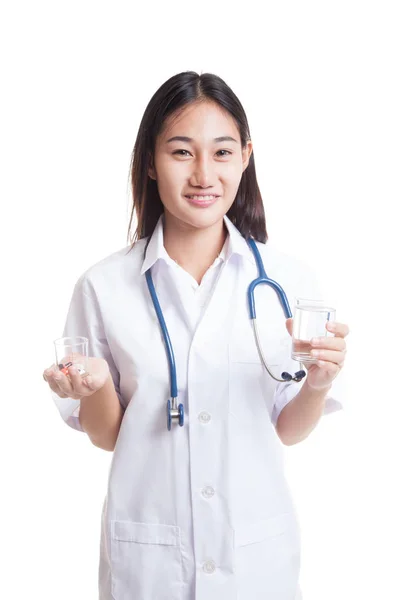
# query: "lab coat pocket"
146,561
268,558
261,530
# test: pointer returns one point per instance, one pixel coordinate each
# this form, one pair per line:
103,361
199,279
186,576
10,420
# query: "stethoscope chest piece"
175,414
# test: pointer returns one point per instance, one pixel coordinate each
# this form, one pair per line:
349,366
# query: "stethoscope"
176,413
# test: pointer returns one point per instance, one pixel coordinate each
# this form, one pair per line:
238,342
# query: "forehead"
200,120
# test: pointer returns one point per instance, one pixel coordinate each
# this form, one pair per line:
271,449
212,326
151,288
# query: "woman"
200,510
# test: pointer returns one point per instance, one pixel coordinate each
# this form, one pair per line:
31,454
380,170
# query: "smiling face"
199,164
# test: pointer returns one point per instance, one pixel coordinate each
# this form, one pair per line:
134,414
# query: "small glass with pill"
309,321
72,351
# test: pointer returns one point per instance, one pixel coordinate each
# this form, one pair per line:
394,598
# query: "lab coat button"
209,566
204,417
208,491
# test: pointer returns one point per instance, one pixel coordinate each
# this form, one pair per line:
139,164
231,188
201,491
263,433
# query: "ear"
246,153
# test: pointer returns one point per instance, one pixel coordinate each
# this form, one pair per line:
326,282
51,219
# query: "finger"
77,380
63,383
49,371
329,343
48,376
329,356
339,329
289,326
55,387
332,369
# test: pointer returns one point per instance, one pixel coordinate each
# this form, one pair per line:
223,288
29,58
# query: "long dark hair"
247,210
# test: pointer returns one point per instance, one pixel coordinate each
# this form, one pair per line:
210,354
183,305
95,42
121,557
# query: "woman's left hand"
331,354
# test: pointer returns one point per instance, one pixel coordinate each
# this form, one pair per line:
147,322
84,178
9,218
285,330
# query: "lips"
201,196
202,200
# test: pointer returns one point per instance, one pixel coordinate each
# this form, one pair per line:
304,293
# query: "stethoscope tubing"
264,279
164,329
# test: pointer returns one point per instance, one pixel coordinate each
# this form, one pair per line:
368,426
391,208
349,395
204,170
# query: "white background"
319,82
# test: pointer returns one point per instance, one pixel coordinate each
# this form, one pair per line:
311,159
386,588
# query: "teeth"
202,197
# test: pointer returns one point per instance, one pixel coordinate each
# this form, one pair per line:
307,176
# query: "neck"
194,249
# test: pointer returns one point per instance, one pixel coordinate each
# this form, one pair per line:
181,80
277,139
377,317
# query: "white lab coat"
202,511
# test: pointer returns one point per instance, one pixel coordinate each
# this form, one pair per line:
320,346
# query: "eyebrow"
183,138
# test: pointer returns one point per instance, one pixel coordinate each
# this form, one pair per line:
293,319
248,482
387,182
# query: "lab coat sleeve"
84,319
308,286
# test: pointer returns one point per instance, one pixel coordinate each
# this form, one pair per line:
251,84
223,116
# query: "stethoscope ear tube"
264,279
285,376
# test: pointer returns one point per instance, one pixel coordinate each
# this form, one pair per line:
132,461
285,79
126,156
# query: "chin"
198,218
204,219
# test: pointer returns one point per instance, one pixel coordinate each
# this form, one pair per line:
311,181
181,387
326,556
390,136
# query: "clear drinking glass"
309,320
72,351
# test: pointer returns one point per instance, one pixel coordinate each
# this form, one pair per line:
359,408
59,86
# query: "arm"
300,416
100,416
102,411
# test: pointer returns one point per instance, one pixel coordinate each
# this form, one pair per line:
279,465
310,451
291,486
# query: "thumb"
94,381
289,326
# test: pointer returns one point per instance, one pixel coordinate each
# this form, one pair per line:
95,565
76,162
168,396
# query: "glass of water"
72,351
309,320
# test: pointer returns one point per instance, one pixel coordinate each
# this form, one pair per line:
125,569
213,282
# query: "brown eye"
226,151
177,151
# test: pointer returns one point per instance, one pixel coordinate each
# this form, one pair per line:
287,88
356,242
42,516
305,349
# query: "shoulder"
294,273
110,271
276,259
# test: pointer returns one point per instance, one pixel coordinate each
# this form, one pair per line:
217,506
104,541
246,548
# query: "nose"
203,174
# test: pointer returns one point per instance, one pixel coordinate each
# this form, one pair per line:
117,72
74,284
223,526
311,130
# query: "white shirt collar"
234,244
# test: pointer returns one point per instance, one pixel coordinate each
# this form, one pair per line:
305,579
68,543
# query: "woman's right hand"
75,385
